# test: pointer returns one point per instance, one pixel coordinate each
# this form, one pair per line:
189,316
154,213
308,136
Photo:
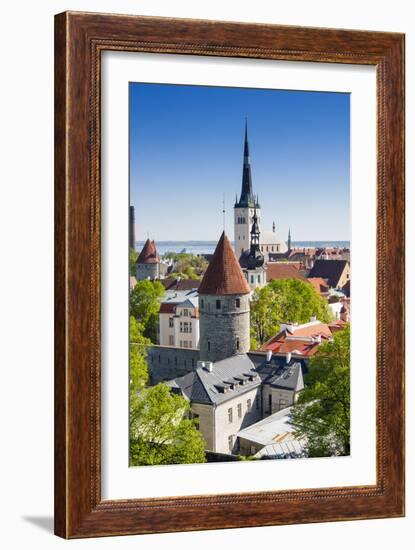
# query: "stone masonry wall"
220,329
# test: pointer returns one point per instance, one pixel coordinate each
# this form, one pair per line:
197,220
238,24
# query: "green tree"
138,356
187,266
133,259
322,412
160,432
145,304
282,300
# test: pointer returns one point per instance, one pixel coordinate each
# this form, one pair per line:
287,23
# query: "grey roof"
270,429
331,270
230,377
181,297
278,373
287,449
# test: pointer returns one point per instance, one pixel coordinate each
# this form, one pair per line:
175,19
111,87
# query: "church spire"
247,198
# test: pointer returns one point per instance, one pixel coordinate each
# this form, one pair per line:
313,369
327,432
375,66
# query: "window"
196,420
237,343
208,344
252,279
193,361
230,415
257,402
202,304
270,403
249,404
186,312
238,302
171,340
159,358
230,442
175,361
239,410
217,304
259,278
185,327
171,322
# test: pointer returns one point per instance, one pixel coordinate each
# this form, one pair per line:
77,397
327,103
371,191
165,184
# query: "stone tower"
131,228
147,265
223,306
245,206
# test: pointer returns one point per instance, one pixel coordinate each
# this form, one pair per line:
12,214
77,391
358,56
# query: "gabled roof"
281,270
302,340
319,284
331,270
288,376
237,374
148,254
180,284
224,275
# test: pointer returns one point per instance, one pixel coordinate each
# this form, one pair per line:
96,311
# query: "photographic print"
239,274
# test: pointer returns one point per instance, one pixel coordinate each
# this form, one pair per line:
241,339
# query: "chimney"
209,366
288,357
269,355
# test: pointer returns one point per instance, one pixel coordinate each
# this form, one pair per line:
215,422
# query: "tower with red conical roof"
223,306
148,262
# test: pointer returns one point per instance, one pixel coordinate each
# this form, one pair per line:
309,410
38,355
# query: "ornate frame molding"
79,40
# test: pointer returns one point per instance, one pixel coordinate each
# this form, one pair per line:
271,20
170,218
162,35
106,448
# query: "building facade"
179,320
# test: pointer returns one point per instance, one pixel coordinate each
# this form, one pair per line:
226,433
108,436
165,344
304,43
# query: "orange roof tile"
224,274
281,270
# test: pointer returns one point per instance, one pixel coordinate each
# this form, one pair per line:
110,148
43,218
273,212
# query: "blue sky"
186,151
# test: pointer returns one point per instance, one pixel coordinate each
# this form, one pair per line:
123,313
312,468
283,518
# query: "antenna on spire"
223,211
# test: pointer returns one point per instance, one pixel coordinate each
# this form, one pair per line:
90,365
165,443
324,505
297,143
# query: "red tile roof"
281,270
224,274
183,284
148,255
319,284
303,340
167,308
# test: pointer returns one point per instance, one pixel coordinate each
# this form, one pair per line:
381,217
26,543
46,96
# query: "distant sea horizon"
208,247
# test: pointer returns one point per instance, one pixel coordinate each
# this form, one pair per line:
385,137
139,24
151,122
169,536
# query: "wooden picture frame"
79,40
